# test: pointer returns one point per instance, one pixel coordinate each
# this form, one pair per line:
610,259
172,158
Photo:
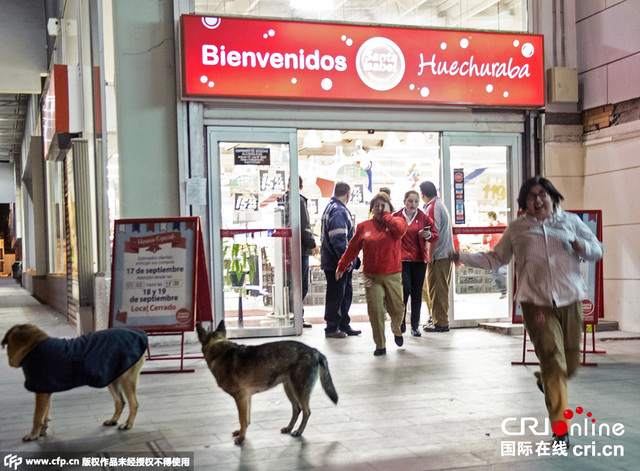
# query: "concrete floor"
436,403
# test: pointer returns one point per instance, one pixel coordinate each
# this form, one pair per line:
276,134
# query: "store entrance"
255,246
480,178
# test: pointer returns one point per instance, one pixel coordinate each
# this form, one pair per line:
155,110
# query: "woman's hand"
339,274
578,246
425,234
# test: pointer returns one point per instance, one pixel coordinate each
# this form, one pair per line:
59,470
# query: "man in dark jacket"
337,230
307,242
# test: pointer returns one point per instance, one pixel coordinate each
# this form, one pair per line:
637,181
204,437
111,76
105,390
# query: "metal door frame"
513,143
259,135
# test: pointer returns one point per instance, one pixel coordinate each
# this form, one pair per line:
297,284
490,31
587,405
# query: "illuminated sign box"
61,109
246,57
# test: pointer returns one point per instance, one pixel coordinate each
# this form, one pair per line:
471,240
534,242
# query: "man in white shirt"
439,267
548,245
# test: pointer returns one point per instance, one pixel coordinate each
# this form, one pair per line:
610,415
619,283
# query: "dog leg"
244,410
40,417
129,383
295,406
118,399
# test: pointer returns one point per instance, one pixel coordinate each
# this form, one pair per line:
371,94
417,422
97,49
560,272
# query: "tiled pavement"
436,403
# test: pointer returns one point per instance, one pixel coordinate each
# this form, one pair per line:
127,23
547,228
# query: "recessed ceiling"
13,111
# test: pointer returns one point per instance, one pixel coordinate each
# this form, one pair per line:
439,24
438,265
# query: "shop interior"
252,199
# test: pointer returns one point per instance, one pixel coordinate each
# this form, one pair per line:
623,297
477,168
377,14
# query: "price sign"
357,194
272,181
246,202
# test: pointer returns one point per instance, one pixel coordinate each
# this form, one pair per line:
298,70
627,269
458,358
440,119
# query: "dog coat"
95,360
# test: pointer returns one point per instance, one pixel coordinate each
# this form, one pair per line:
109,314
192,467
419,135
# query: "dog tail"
325,378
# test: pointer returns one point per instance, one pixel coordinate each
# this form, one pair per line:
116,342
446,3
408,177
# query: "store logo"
380,64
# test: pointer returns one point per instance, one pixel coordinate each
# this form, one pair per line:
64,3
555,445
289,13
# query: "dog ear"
221,328
201,331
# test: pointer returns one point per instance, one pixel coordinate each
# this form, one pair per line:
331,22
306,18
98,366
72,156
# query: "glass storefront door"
255,242
480,174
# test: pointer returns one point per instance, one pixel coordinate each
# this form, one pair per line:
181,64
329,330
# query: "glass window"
55,217
499,15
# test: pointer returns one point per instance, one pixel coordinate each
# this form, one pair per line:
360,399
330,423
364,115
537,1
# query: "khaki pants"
384,294
435,291
555,333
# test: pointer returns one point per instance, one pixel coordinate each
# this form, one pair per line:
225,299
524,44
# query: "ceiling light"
312,5
312,140
331,136
391,141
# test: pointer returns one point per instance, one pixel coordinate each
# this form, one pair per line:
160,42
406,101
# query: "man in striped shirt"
548,245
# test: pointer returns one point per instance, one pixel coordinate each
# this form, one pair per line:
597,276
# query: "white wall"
7,185
146,90
611,183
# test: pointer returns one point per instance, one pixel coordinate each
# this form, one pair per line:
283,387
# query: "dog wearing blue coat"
112,357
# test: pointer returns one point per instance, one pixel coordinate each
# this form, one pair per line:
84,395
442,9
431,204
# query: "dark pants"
338,301
305,275
413,274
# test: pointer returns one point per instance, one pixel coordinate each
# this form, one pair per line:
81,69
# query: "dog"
243,370
112,357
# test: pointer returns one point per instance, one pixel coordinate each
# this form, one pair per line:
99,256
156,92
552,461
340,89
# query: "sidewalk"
436,403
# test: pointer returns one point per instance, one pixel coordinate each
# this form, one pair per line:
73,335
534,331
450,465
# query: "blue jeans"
338,301
500,278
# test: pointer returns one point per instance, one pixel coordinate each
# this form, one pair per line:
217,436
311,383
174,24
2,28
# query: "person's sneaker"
379,351
335,335
435,328
562,439
306,325
351,331
416,332
428,324
503,295
399,340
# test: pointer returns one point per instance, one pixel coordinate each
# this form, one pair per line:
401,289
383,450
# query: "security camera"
53,26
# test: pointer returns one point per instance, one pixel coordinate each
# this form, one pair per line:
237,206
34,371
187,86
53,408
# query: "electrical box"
563,85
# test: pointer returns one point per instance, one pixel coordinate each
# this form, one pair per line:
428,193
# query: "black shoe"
416,332
306,325
351,331
562,439
403,327
435,328
399,340
379,351
539,381
335,335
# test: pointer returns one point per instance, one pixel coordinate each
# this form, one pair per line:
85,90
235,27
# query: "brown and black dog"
243,370
112,357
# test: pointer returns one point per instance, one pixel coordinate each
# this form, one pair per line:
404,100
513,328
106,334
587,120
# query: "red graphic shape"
579,410
568,414
559,427
122,317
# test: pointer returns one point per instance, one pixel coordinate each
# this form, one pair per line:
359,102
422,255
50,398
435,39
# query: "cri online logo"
380,64
585,428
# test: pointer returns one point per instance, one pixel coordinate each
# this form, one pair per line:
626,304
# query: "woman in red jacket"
415,255
380,239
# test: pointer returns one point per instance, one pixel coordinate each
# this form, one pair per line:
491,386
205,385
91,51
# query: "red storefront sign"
246,57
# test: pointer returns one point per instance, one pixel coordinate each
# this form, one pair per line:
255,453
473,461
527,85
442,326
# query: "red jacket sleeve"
397,225
352,251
